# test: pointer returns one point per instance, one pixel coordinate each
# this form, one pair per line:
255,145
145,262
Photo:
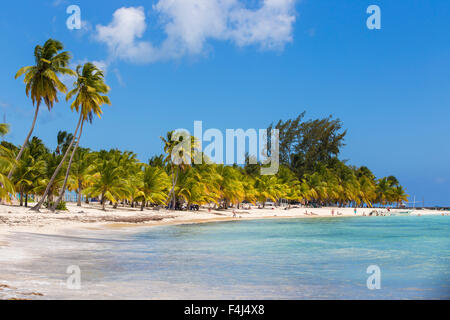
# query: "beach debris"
33,294
5,286
135,219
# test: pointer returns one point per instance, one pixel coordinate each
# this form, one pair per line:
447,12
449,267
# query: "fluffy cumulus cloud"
122,34
189,24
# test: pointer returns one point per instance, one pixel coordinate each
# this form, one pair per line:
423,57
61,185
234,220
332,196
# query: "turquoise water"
320,258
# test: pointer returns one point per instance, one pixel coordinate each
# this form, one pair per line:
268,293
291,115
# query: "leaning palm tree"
90,90
42,82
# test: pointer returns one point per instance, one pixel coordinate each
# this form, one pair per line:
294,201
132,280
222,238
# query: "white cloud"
122,33
270,26
189,24
119,77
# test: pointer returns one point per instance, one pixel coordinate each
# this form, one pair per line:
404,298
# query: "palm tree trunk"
143,204
79,194
52,180
103,200
63,189
169,196
26,200
173,189
21,198
25,143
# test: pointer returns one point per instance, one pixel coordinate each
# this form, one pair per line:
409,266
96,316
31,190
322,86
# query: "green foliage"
306,144
41,80
310,170
4,129
60,207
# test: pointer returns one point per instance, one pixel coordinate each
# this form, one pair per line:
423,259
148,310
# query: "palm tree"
51,161
230,186
107,181
318,188
4,129
155,183
42,82
62,144
383,191
174,147
81,165
26,174
89,90
64,138
399,195
7,159
267,187
367,190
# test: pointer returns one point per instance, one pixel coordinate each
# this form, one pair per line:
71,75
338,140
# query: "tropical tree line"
117,178
310,171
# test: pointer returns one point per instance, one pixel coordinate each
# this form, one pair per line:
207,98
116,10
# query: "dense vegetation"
310,170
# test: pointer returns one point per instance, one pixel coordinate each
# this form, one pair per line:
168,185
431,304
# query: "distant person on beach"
332,212
234,213
355,211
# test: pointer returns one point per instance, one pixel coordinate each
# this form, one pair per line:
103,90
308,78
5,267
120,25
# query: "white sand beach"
91,216
21,231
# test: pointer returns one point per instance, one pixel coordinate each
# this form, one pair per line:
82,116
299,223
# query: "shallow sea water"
320,258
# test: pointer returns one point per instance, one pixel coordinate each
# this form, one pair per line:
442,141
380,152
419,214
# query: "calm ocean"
320,258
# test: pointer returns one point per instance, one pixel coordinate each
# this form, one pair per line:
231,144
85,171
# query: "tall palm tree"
174,147
42,82
90,89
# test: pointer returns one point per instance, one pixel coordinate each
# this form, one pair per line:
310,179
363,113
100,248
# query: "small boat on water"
402,213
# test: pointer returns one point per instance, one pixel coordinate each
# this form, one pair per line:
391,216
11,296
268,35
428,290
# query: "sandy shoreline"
20,219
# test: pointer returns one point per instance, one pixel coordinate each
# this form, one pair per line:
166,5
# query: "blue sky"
167,68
